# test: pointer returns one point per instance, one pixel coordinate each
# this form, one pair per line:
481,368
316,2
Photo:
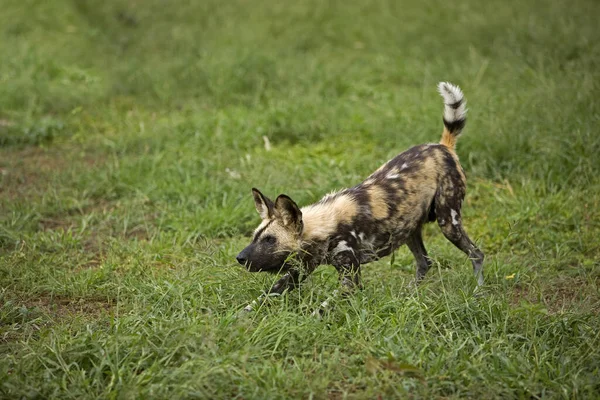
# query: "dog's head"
277,237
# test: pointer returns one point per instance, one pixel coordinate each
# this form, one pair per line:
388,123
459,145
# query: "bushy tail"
455,113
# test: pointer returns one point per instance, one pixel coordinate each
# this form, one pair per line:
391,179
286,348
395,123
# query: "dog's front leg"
289,281
348,267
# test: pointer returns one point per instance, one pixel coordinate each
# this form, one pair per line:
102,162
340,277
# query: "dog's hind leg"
449,219
416,246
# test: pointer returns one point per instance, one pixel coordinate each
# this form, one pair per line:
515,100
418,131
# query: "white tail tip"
454,100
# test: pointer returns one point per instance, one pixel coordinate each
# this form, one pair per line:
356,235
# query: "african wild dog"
357,225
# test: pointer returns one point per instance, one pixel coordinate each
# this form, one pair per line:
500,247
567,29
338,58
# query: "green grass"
131,133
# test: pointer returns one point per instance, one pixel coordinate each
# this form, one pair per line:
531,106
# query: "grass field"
132,131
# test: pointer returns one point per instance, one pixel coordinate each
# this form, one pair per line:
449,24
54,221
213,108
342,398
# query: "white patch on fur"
404,166
366,243
324,305
370,243
250,306
393,175
454,214
353,233
452,94
342,246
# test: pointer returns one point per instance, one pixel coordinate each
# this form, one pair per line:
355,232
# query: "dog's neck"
317,225
314,244
321,219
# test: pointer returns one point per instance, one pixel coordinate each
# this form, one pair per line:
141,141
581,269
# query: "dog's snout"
241,259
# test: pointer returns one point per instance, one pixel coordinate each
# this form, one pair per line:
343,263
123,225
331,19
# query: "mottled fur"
372,219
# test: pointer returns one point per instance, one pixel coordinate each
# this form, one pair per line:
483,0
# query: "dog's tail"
455,113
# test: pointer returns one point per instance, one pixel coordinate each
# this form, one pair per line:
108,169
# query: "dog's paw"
479,292
318,313
414,283
326,306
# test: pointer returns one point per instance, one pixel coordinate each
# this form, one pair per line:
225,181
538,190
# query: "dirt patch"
522,293
96,230
139,233
26,169
573,294
47,224
25,172
28,314
64,307
68,219
93,247
567,294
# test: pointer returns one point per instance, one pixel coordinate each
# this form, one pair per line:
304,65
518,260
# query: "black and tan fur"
372,219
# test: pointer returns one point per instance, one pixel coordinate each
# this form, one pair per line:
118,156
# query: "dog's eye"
269,239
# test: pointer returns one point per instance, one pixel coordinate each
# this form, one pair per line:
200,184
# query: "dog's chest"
368,245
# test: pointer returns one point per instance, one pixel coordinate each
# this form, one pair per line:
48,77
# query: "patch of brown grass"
566,294
59,307
44,310
68,219
50,224
25,172
27,169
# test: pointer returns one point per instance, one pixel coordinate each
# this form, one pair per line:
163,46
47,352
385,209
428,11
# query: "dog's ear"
263,204
289,213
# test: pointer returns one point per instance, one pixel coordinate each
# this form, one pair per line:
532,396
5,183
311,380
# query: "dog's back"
400,197
383,212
